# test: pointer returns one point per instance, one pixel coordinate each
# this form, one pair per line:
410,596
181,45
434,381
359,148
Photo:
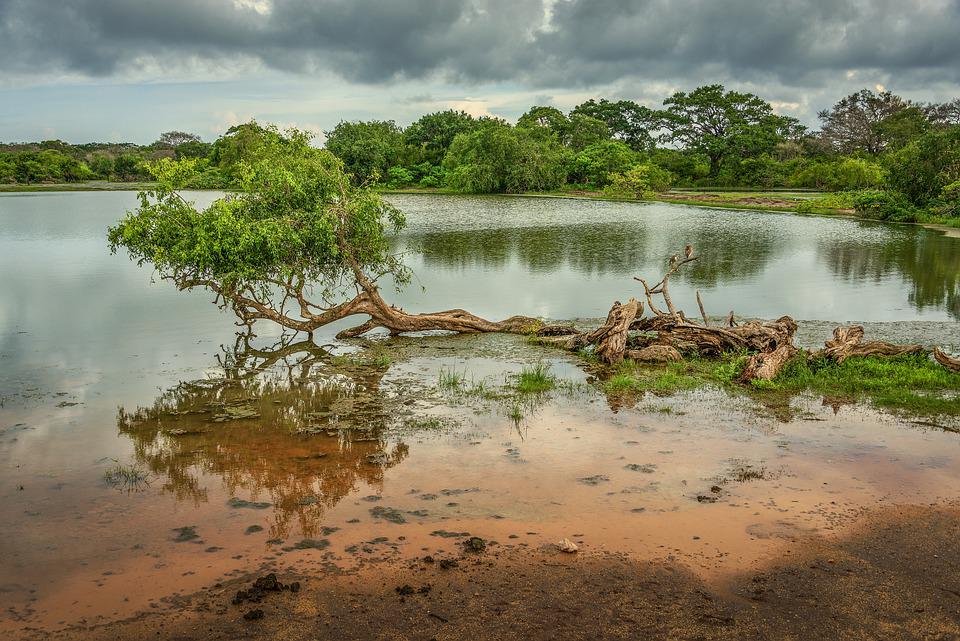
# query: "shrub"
925,167
885,205
641,181
399,177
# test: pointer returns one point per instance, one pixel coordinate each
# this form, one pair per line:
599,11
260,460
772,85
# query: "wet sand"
894,575
346,476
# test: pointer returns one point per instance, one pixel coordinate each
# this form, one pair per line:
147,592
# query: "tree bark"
846,342
766,365
611,337
952,364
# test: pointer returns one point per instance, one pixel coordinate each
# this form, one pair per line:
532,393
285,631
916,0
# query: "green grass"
536,379
450,380
126,477
636,378
912,384
904,384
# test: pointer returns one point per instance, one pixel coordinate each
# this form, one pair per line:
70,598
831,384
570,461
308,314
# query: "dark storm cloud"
789,40
586,43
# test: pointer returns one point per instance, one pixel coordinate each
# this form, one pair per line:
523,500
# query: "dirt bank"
895,575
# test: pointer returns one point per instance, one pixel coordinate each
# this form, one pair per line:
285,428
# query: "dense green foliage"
890,158
496,157
295,219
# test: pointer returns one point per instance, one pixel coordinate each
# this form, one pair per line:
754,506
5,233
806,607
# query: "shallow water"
99,366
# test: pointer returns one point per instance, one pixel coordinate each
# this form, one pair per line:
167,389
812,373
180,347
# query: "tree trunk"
766,365
752,337
611,337
846,343
952,364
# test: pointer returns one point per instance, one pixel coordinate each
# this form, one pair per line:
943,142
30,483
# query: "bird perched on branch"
688,251
673,260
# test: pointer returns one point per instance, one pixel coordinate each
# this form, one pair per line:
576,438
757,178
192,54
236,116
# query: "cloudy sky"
84,70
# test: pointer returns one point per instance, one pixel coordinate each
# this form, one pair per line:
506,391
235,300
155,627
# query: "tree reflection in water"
290,422
929,263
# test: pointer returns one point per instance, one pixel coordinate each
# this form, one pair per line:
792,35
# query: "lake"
255,456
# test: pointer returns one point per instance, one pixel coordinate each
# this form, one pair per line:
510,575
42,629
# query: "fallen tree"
302,246
667,334
298,245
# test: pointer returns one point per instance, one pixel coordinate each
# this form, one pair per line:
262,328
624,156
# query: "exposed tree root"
846,342
765,366
952,364
666,335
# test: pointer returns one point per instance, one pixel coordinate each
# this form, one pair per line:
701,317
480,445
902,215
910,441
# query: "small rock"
566,545
253,615
475,544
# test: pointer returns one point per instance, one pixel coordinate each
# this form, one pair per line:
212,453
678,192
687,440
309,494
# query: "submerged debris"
475,544
387,514
596,479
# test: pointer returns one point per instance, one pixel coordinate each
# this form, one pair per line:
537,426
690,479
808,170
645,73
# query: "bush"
598,162
498,158
885,205
927,166
838,200
948,204
399,177
641,181
842,175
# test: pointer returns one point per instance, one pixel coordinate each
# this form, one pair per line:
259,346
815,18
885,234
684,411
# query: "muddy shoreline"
894,574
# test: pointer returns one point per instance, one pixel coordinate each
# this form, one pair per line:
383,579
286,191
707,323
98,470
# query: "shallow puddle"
301,461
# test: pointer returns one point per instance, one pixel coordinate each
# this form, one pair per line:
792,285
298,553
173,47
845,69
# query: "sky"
127,70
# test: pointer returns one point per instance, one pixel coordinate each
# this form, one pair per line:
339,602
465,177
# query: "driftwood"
952,364
667,333
655,354
765,366
753,336
663,336
610,338
846,342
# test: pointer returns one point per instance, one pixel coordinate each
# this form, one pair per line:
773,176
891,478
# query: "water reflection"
930,263
288,424
597,249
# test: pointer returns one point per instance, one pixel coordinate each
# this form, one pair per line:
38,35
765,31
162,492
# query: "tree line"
887,156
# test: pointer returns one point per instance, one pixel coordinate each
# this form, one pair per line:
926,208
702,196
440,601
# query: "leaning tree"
298,244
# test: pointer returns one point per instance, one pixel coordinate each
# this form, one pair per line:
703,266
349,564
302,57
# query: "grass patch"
913,384
376,357
450,380
905,384
535,380
126,477
637,378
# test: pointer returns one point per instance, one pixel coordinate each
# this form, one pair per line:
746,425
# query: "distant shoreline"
743,199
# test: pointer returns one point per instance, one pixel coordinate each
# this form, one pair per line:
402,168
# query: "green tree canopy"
626,120
497,158
433,133
299,244
720,123
549,118
926,166
853,124
596,163
367,148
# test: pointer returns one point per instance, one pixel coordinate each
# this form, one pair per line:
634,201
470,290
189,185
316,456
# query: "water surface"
281,457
